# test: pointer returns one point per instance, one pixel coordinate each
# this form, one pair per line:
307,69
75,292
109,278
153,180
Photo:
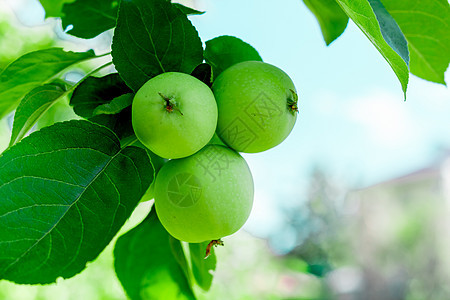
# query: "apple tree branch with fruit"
170,124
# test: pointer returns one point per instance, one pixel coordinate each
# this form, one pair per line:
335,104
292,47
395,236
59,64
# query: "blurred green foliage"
16,39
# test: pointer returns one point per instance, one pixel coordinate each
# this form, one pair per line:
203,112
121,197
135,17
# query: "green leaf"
53,8
201,267
390,30
36,104
145,264
119,123
32,106
66,190
96,91
152,37
362,14
178,253
156,160
60,111
426,26
331,18
115,106
203,72
32,70
90,18
187,10
157,163
224,51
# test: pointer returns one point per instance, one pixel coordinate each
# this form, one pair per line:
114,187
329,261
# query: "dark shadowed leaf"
32,70
66,190
32,106
331,18
146,266
106,101
203,72
152,37
96,91
390,30
157,163
119,123
224,51
364,17
202,268
89,18
426,26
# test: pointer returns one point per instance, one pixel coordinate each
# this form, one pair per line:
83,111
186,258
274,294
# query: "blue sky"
353,121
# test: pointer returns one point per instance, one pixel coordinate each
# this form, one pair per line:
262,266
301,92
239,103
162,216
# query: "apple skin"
257,104
177,132
205,196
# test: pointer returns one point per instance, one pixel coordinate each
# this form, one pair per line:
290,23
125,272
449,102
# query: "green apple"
205,196
257,104
174,114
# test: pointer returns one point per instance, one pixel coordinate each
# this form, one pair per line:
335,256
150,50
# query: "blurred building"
398,235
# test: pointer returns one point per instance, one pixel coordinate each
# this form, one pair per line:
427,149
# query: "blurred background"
354,204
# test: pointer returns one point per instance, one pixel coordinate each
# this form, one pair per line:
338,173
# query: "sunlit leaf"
53,8
426,26
331,18
32,70
360,11
178,253
202,268
115,106
146,266
32,106
60,111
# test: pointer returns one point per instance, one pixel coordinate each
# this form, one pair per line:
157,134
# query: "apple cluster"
205,190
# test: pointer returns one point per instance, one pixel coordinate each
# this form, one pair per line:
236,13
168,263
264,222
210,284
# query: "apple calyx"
170,104
292,103
214,243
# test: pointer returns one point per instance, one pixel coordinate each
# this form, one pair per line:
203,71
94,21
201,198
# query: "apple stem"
170,105
214,243
292,103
